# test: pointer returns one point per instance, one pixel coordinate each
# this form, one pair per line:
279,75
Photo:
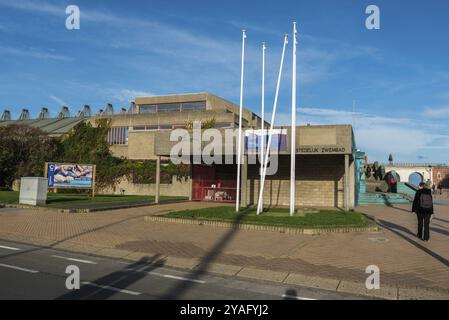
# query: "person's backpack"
425,201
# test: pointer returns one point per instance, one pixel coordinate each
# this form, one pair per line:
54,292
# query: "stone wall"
176,188
319,182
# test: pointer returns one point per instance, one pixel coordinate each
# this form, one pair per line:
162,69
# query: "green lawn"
276,217
66,199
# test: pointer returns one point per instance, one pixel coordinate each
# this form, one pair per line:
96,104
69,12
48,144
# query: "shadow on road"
52,245
290,294
396,230
121,279
178,290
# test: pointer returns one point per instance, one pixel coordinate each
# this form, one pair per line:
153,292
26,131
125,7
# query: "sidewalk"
330,261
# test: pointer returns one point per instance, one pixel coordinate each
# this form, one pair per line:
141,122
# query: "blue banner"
70,176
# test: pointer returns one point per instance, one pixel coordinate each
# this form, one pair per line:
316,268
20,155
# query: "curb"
248,272
23,206
256,227
87,210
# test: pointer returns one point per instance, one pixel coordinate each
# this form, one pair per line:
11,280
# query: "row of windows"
118,135
218,125
172,107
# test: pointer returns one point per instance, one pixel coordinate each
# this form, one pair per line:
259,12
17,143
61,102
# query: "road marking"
133,293
10,248
295,297
167,276
182,278
18,268
73,259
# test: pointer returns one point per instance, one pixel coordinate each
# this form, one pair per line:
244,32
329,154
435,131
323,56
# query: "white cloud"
127,95
378,135
442,112
58,100
33,53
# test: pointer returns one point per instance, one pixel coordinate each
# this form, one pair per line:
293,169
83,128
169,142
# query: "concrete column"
158,179
346,183
191,182
244,199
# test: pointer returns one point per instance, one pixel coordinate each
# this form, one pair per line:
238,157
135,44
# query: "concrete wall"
320,182
176,188
405,172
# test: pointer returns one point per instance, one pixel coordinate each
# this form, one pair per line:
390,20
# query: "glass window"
165,126
148,108
223,125
153,128
201,105
118,135
169,107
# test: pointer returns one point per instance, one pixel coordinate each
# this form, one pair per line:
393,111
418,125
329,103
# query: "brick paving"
403,259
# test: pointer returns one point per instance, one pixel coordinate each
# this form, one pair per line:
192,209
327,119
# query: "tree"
24,151
86,144
207,124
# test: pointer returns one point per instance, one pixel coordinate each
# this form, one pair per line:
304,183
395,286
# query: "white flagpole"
293,129
239,142
262,143
267,153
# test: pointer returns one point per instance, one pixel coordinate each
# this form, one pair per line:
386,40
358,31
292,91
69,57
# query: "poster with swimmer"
70,175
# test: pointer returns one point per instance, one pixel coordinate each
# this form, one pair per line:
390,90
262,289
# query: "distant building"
441,175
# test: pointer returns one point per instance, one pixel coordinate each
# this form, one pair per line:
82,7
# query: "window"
223,125
118,136
165,126
201,105
169,107
146,128
148,108
152,128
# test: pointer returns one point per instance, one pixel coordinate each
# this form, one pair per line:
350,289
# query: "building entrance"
214,183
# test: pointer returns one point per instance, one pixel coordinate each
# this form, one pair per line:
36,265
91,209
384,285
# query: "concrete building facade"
325,166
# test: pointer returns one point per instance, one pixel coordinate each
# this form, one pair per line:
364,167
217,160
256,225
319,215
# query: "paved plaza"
404,260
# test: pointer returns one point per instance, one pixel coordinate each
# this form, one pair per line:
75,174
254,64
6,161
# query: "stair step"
382,198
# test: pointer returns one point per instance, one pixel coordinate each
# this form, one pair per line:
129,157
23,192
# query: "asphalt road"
30,272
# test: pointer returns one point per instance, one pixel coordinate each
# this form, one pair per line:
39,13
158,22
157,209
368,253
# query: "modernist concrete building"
325,170
325,167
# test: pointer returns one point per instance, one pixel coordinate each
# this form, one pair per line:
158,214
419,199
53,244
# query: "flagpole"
267,153
239,142
293,129
262,143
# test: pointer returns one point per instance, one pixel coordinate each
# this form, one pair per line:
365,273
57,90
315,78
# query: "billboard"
62,175
253,140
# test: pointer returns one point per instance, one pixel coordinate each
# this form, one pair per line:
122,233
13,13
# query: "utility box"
33,191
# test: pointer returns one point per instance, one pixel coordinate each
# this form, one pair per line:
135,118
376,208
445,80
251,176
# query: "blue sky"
398,76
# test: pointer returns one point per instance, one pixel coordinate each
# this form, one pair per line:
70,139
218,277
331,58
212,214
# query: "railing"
414,165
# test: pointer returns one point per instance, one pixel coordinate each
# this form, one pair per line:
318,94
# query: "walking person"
423,207
440,188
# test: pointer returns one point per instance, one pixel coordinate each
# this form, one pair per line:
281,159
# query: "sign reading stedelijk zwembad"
62,175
